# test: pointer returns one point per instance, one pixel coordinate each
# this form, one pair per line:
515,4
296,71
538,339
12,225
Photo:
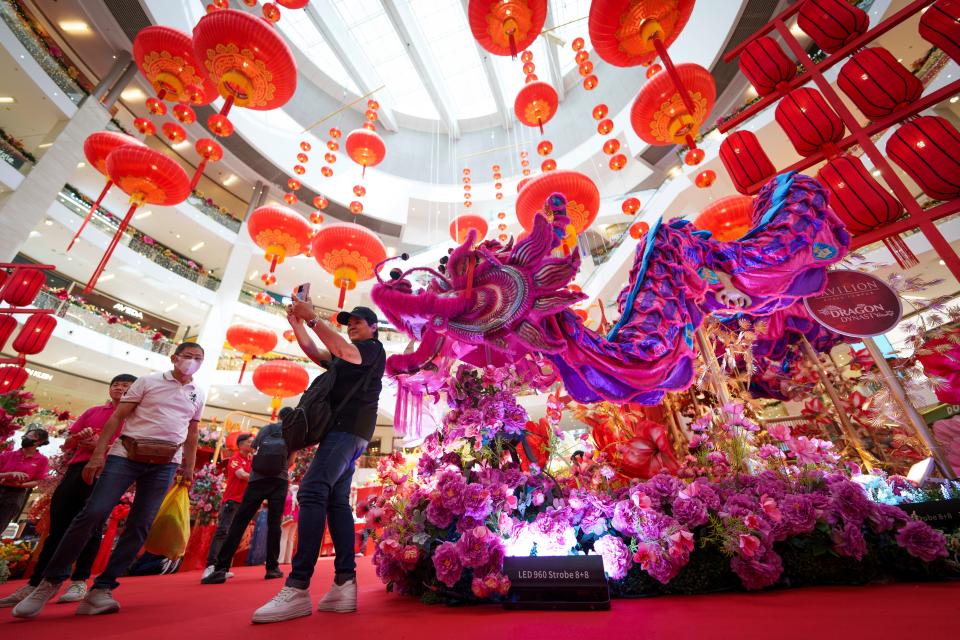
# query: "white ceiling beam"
334,30
553,57
493,78
405,24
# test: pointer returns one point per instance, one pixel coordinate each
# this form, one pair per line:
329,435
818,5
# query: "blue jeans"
325,489
152,482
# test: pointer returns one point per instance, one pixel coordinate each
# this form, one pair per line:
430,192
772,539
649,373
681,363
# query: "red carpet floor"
177,607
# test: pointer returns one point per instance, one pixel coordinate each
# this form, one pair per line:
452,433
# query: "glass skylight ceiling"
449,47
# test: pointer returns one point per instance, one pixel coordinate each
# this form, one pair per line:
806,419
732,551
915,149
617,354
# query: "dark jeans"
228,510
152,482
67,501
274,491
325,489
12,500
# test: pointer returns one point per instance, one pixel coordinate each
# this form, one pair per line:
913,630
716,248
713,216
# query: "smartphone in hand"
302,292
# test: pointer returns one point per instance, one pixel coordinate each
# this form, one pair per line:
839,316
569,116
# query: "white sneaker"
340,599
229,574
32,605
290,603
206,572
76,592
97,602
14,598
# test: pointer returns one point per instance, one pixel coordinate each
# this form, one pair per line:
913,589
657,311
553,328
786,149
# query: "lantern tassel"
901,251
227,105
90,213
540,124
343,295
273,263
513,45
113,245
199,172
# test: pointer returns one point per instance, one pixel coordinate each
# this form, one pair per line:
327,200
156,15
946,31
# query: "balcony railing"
212,211
135,241
58,72
231,361
94,320
14,157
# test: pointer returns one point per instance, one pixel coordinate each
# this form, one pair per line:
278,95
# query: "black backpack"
271,457
307,425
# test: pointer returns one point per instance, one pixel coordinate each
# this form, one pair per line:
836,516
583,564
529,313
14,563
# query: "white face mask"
187,367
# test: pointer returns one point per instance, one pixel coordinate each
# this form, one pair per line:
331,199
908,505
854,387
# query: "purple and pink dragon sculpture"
503,303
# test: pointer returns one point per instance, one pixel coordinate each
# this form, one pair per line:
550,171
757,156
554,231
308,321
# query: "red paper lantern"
22,286
251,340
928,150
877,83
366,148
501,215
611,146
536,104
605,126
583,197
618,162
600,112
144,126
290,198
263,297
280,379
502,237
289,336
461,227
359,190
326,171
305,146
547,165
658,114
832,23
7,326
745,160
299,169
320,202
810,123
766,66
504,27
705,178
586,68
183,113
147,176
653,70
940,25
209,151
293,4
156,107
638,230
545,148
293,184
166,58
173,132
279,231
590,83
303,158
856,197
727,218
356,207
623,32
630,206
350,253
12,378
35,334
693,157
316,217
96,148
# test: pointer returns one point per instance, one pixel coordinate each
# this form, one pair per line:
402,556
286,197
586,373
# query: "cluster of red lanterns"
611,146
467,197
584,65
18,289
498,194
537,102
270,11
330,157
544,149
366,148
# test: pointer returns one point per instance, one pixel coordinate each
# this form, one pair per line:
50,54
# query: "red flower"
157,337
113,320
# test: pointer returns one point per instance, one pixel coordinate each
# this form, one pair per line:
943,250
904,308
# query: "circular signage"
855,304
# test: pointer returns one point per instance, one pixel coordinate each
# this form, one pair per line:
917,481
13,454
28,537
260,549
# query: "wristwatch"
313,323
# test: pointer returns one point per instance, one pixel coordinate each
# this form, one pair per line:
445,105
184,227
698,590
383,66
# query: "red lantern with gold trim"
536,104
627,33
366,148
251,340
940,25
810,123
280,232
877,83
504,27
280,379
166,58
461,227
832,23
766,66
659,115
727,218
583,197
859,200
350,253
745,161
928,150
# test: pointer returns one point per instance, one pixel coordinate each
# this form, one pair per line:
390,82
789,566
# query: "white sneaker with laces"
33,604
14,598
340,599
206,572
97,602
76,592
290,603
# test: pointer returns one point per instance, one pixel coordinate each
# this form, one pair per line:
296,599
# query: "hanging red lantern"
611,146
331,158
600,112
147,176
745,160
293,184
624,32
333,146
693,157
22,286
705,178
320,202
502,237
659,115
727,218
316,217
12,378
461,227
289,335
251,340
166,58
582,56
299,169
7,326
832,23
209,151
183,113
356,207
359,190
810,123
578,44
638,230
290,198
877,83
280,232
766,66
247,60
302,158
547,165
366,148
653,70
590,83
501,215
280,379
327,171
305,147
583,197
505,27
605,126
545,148
586,68
536,104
263,297
96,148
173,132
145,127
350,253
859,200
928,150
630,206
335,133
293,4
501,227
618,162
940,26
156,107
271,12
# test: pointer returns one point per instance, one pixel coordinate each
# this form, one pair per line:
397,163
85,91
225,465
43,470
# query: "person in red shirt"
20,472
238,473
71,495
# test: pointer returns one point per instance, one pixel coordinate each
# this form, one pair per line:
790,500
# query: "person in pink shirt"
71,495
20,472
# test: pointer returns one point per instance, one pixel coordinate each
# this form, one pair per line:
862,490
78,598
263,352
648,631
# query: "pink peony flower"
446,560
770,508
779,431
409,556
615,554
748,545
922,541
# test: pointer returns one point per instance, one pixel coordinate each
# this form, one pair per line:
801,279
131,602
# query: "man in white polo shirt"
160,414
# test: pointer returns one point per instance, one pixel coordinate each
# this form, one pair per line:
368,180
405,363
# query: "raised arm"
336,344
99,456
319,356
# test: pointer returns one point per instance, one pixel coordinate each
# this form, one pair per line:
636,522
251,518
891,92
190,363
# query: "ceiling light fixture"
253,275
35,234
391,252
45,145
197,246
229,180
132,94
74,26
145,214
171,307
48,222
81,165
105,278
7,99
65,361
954,99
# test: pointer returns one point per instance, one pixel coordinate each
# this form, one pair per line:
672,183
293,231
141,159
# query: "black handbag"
307,425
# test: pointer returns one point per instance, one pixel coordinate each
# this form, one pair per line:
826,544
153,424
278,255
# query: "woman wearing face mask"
20,472
160,415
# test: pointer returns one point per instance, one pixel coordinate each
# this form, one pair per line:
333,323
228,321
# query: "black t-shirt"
359,415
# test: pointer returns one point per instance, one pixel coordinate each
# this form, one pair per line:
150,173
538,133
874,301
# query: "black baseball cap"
364,313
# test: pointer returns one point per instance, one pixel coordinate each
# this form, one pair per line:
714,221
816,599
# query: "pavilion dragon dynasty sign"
856,304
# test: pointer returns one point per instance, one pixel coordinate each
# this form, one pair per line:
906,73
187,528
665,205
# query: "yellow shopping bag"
171,528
